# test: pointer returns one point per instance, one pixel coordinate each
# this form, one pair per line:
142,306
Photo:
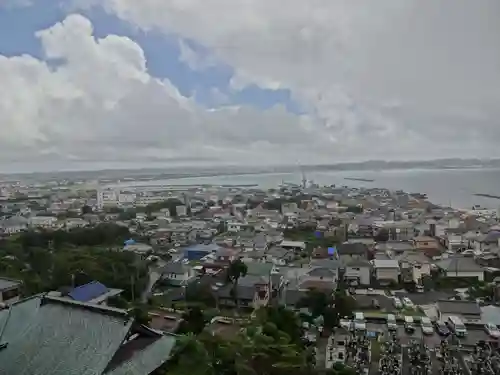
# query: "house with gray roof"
357,272
465,310
14,224
460,266
45,335
177,273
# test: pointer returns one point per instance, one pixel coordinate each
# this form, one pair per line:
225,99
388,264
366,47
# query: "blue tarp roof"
87,292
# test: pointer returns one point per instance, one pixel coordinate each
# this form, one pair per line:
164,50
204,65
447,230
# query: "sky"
110,83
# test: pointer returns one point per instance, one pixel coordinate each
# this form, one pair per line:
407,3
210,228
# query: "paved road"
154,276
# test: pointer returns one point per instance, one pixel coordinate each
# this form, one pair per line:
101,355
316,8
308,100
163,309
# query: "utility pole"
132,290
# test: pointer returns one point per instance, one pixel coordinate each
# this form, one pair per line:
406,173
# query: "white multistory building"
107,198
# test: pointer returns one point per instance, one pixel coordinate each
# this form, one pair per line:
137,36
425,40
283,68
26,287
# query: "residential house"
425,243
45,222
454,239
357,272
386,271
249,256
467,311
196,252
322,274
76,222
160,238
398,230
92,293
296,246
177,273
182,235
226,239
10,290
415,266
291,295
279,256
485,242
252,292
84,339
349,251
222,256
13,225
363,226
460,266
138,248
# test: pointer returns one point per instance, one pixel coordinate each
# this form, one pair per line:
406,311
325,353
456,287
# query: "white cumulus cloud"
346,60
94,100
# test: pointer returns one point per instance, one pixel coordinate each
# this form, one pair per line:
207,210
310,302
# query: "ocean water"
454,187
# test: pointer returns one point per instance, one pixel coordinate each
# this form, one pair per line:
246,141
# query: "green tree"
86,209
193,321
140,314
235,271
321,304
190,356
261,348
344,304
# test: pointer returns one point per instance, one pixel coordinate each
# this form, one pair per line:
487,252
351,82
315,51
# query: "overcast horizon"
117,83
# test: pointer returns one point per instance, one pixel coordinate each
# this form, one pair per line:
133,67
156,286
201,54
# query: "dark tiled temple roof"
57,336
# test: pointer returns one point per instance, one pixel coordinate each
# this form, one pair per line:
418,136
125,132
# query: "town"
205,279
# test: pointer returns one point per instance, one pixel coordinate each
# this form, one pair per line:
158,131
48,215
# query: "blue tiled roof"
87,292
202,247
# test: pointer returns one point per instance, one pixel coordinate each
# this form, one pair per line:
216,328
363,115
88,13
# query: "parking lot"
473,336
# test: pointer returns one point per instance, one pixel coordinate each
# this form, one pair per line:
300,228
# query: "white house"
177,273
71,223
14,224
43,222
418,264
386,270
233,226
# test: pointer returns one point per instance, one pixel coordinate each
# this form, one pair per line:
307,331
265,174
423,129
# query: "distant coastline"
358,179
487,195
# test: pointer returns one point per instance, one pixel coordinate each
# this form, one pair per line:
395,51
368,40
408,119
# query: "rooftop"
8,283
57,336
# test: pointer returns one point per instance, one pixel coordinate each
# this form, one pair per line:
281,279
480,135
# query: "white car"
408,303
492,330
397,303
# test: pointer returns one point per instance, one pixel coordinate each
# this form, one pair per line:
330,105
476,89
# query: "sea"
447,187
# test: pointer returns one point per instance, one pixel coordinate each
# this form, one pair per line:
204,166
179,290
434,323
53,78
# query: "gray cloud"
410,79
101,104
345,60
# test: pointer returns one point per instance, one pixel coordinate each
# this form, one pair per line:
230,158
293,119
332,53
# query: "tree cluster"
270,344
101,235
50,260
170,204
327,308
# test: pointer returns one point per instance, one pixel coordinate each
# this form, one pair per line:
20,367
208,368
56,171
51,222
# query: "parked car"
426,325
441,329
391,322
492,330
397,303
407,303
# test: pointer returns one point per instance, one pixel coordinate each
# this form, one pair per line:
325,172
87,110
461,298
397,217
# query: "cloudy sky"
127,82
